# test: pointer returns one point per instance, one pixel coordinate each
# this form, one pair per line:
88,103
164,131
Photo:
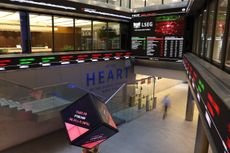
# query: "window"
137,3
198,38
227,60
125,3
105,1
210,23
41,33
171,1
10,36
83,35
115,2
63,34
195,35
99,35
153,2
113,35
203,30
219,32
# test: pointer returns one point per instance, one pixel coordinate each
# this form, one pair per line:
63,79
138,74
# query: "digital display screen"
172,25
52,60
158,36
88,122
212,108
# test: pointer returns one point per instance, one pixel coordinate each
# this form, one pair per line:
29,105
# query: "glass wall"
125,3
203,30
41,32
227,60
51,33
198,34
219,31
115,2
153,2
99,35
114,35
210,26
63,34
10,36
137,3
83,35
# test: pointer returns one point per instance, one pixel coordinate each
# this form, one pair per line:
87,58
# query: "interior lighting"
24,66
44,4
208,119
65,63
9,27
46,64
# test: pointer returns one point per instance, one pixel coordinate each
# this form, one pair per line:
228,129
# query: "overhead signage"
215,112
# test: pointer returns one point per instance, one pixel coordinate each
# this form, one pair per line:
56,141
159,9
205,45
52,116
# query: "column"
25,32
201,144
190,106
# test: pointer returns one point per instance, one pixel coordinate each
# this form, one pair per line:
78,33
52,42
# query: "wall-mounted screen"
158,36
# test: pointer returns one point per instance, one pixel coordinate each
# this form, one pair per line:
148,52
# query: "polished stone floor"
146,134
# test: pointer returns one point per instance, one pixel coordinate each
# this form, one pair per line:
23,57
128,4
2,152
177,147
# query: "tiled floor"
147,134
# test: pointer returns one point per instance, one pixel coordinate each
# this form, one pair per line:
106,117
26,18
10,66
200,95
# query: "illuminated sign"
212,108
137,25
88,122
94,11
44,4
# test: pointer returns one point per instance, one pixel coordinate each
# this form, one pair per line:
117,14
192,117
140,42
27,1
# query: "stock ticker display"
24,62
158,36
212,108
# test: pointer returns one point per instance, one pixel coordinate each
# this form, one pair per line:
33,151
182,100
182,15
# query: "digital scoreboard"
158,36
212,108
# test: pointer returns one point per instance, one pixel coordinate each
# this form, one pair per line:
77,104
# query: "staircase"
37,110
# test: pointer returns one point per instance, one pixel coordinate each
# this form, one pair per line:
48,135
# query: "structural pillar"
201,144
190,106
25,32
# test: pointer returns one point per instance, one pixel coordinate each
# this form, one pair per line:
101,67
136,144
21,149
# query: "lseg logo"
137,25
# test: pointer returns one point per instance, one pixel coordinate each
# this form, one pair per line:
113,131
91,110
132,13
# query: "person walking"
166,104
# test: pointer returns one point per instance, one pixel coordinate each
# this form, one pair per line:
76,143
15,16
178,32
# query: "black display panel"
158,36
32,61
88,122
215,112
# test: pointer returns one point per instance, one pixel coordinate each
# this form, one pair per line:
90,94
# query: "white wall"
165,83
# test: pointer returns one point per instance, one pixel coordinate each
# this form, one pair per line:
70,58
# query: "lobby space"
146,134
